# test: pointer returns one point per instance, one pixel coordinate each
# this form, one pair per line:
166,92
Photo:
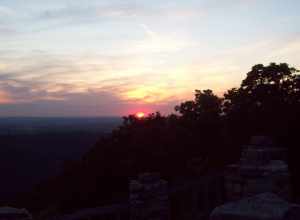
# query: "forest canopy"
207,131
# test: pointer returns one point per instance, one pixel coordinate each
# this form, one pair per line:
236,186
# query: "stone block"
267,206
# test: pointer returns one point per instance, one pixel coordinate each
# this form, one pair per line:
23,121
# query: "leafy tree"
265,99
206,105
207,128
267,103
203,121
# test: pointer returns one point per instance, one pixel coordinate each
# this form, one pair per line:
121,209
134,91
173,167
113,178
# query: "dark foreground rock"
267,206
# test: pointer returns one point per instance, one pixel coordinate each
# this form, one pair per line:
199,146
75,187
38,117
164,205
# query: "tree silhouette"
265,99
208,128
267,103
205,105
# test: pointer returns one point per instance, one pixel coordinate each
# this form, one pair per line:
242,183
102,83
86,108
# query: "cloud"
63,103
43,84
27,98
122,11
93,11
123,82
6,12
7,31
7,15
110,57
160,43
225,4
4,98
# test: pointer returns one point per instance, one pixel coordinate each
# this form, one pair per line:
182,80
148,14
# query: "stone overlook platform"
266,206
262,168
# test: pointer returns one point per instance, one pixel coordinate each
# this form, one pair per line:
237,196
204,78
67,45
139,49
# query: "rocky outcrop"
14,214
261,169
149,198
267,206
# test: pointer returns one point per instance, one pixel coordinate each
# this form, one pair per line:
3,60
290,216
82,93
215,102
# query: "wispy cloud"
6,12
114,57
19,98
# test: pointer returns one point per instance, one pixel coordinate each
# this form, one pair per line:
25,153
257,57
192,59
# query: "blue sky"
88,58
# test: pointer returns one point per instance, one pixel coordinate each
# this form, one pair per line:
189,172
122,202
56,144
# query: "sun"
140,114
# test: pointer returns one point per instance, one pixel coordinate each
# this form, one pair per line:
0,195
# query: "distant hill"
34,125
33,149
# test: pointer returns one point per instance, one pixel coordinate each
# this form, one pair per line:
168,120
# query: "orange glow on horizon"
4,98
140,115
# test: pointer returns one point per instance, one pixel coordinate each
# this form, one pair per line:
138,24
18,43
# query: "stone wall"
261,169
195,199
266,206
149,199
189,199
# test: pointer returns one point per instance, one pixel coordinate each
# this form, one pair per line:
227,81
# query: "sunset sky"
115,57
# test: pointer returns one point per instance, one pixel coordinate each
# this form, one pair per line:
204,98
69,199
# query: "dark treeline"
206,133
